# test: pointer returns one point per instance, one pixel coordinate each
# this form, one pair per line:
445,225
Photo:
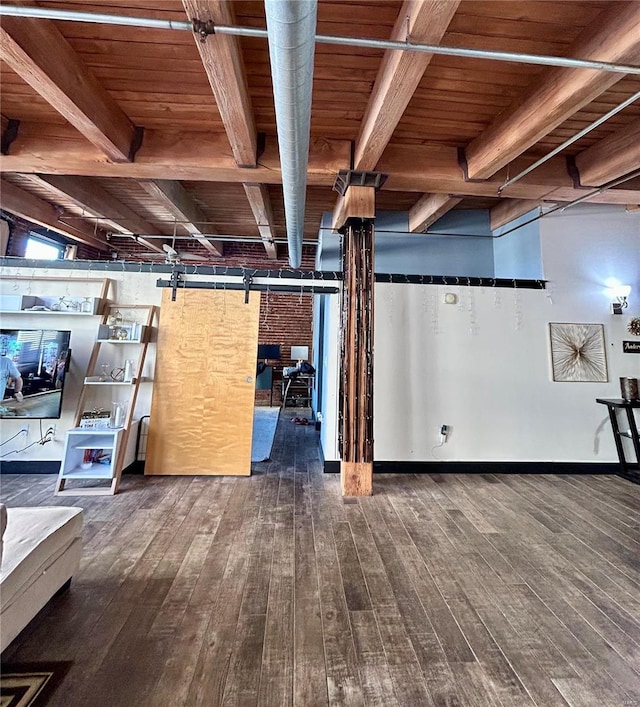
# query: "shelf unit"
133,333
69,305
77,437
98,380
40,304
79,440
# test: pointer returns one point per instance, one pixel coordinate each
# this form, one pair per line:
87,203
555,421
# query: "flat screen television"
42,357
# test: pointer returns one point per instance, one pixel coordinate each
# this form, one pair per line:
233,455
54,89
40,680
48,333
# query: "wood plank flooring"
457,590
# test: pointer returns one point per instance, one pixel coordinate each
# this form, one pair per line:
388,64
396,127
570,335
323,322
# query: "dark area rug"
29,684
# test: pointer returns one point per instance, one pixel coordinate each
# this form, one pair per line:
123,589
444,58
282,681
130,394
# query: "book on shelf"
95,420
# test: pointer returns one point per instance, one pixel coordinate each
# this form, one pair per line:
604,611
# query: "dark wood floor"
438,590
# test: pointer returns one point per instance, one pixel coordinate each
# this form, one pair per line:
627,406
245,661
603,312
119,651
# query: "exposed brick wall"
86,252
286,320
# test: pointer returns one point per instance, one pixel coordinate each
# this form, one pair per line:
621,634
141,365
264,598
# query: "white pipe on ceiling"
514,57
571,140
291,25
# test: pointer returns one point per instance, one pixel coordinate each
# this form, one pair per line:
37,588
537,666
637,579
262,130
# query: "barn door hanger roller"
248,281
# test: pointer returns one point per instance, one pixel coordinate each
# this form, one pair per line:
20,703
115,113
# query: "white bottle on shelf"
128,370
117,414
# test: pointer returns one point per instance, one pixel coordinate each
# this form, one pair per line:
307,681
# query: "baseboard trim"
396,467
53,467
26,467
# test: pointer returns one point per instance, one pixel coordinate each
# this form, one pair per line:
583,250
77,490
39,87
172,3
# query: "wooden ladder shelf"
74,466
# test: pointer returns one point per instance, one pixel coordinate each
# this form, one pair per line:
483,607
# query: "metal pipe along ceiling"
490,54
291,26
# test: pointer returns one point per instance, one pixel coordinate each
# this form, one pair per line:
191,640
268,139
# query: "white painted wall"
482,366
330,363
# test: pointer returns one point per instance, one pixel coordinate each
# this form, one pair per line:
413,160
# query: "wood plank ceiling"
447,130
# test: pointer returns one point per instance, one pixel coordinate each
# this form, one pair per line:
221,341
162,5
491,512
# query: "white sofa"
39,553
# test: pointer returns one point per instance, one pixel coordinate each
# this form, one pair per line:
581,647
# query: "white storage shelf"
97,380
116,328
41,304
78,440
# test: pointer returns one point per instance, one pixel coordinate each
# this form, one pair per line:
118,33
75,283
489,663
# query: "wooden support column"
355,214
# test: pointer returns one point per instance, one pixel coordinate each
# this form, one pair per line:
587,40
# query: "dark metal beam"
279,273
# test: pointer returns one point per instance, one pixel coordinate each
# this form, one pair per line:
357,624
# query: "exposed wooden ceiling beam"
559,92
258,196
429,209
610,158
21,203
425,168
176,199
423,21
222,59
509,209
434,168
193,156
612,196
29,46
91,197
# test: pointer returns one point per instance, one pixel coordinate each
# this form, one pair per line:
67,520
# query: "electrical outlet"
51,433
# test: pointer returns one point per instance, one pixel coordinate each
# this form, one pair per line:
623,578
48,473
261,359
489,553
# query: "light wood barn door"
203,394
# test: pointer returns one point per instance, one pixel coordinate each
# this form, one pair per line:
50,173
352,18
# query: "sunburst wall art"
578,353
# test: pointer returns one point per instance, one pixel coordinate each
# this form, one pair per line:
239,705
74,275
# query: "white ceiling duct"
291,27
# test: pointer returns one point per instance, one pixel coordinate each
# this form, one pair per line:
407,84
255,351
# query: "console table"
628,469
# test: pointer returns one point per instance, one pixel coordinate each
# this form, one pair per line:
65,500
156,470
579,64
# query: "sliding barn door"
203,393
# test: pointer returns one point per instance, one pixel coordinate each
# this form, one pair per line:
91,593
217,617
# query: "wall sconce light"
620,292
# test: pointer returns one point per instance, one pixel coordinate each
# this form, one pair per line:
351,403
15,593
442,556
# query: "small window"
40,249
